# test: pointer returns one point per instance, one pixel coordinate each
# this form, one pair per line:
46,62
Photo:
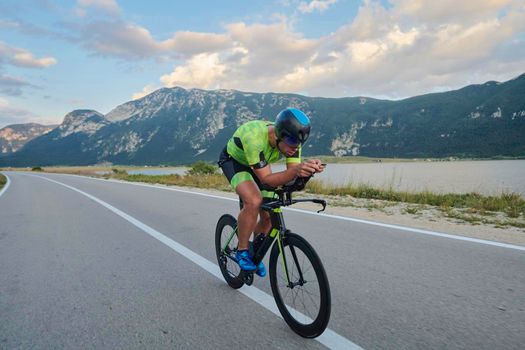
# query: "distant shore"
325,158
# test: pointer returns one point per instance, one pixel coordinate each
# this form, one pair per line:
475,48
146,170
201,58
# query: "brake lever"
322,202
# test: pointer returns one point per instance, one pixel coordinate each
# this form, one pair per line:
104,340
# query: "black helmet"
292,126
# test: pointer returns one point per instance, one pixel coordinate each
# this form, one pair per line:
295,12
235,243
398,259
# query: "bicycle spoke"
301,290
304,301
310,297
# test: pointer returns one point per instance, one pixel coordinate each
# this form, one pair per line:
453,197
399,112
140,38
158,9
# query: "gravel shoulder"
413,216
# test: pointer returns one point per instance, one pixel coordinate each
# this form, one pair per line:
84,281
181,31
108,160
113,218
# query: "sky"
58,56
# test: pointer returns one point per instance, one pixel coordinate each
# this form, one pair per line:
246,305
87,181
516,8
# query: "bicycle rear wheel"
225,247
304,299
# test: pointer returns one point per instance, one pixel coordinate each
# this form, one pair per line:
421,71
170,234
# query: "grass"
477,220
510,203
215,181
3,181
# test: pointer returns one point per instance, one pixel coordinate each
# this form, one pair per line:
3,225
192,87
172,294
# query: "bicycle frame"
278,231
307,308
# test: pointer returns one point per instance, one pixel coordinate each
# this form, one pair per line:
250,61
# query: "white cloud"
131,41
26,59
315,5
203,70
148,89
23,58
192,43
449,11
119,39
106,6
408,48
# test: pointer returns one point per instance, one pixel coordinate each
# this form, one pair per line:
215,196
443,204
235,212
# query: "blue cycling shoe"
245,260
261,270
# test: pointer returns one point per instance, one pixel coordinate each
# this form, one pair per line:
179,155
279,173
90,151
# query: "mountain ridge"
177,126
14,136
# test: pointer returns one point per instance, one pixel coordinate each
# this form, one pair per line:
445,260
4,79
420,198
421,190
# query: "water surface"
487,177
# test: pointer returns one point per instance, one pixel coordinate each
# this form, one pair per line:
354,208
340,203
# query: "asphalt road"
80,268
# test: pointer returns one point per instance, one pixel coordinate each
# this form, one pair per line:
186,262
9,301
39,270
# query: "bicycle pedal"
247,277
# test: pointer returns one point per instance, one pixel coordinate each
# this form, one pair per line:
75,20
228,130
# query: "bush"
119,171
202,168
37,168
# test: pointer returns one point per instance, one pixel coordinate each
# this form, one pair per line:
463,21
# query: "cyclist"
245,161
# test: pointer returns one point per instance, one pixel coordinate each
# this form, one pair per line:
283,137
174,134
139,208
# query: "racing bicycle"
297,277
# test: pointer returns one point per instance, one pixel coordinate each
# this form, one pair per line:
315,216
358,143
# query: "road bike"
298,279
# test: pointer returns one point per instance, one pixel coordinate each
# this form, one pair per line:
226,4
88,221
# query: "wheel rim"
226,258
301,297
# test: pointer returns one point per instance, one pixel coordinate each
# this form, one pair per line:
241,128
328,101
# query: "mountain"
13,137
176,126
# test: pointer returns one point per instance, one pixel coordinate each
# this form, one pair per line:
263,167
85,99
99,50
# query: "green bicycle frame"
278,231
229,240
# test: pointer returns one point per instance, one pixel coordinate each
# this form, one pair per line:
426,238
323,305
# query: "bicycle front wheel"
300,286
225,248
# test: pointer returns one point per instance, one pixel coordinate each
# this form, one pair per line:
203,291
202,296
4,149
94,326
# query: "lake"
490,177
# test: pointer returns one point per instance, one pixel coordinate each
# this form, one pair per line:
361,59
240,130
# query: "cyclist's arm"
292,171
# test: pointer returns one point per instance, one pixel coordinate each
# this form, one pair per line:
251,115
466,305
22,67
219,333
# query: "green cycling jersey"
250,146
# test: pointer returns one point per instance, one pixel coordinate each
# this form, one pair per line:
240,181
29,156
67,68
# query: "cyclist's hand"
305,169
319,167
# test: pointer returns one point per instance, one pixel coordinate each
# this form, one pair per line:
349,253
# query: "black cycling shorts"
236,173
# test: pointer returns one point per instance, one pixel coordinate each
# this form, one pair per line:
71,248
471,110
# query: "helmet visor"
291,140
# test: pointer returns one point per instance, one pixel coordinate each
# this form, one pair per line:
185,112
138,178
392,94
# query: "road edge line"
332,216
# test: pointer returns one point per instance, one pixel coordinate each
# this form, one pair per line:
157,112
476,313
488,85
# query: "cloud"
6,23
192,43
12,86
269,50
449,11
13,115
394,51
23,58
257,57
203,70
106,6
148,89
119,39
130,41
315,5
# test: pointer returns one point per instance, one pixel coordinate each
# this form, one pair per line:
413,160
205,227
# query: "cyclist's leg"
247,220
264,225
241,179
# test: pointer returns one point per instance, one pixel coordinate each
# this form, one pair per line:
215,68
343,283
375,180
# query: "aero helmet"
292,126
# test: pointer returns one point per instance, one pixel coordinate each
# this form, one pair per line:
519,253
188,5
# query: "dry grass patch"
3,180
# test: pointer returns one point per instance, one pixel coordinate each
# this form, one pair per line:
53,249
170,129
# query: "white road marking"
5,186
329,338
345,218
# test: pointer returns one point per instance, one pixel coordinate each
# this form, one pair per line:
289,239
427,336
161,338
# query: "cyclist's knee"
250,195
252,203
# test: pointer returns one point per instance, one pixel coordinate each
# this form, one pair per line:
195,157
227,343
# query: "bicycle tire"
230,269
311,324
